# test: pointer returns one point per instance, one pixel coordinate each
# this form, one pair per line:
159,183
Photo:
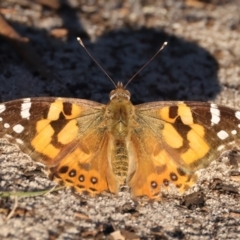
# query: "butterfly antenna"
81,43
161,48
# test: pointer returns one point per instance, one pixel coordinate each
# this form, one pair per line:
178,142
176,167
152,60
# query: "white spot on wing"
237,114
231,143
18,128
215,114
6,125
19,141
234,132
222,134
1,119
8,136
2,108
220,148
25,107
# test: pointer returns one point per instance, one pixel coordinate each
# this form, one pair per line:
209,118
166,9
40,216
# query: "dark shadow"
182,71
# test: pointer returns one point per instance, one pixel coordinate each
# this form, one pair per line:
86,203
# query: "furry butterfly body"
95,148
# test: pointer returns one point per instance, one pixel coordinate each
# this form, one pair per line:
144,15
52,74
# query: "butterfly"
95,148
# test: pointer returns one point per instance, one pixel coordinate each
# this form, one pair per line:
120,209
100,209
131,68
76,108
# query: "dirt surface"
40,56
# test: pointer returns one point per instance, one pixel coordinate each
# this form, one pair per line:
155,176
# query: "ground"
40,56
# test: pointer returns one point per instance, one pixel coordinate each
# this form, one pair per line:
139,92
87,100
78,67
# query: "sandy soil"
200,62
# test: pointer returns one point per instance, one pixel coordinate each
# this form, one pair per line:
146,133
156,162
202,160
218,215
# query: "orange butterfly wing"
174,139
67,135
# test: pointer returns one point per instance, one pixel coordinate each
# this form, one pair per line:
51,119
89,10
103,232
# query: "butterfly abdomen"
120,160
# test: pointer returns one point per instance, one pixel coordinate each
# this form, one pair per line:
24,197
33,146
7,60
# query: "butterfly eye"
119,93
112,94
128,94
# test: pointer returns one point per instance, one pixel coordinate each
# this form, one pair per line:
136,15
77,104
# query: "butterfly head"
120,93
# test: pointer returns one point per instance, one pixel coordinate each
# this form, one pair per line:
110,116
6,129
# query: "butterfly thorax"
118,113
